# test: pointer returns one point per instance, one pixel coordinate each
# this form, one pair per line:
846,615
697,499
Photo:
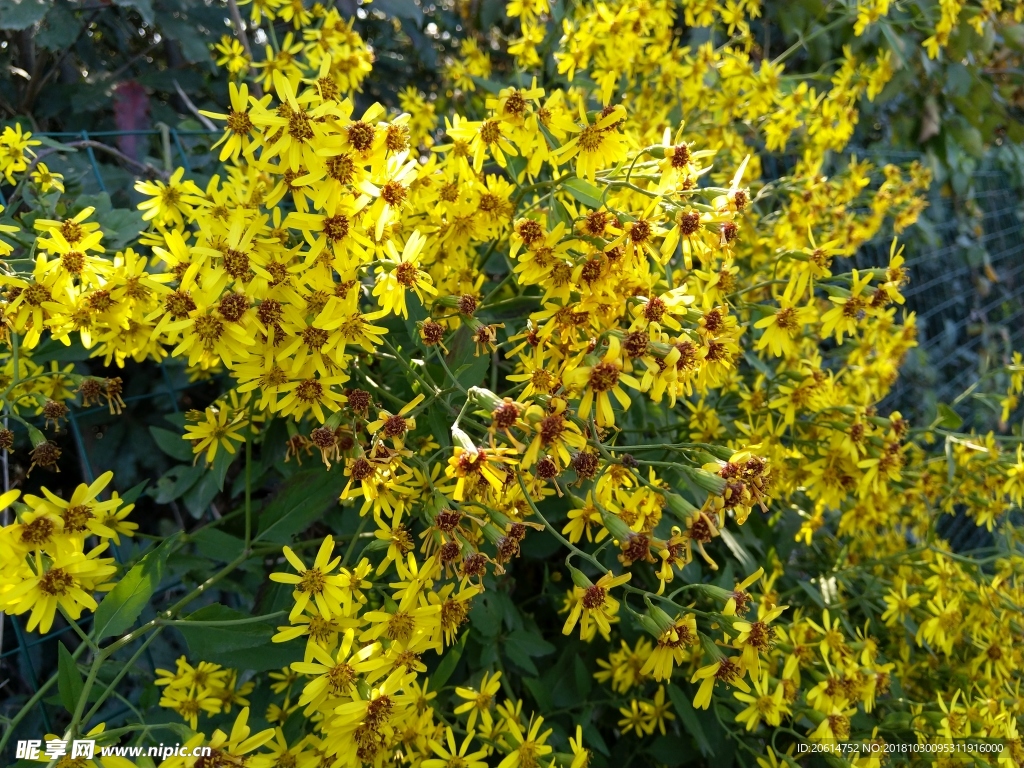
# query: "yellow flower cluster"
206,688
677,353
45,565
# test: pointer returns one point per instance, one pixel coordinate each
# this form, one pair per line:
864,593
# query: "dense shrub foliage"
529,424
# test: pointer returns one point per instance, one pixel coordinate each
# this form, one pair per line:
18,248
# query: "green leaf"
739,551
144,7
448,663
217,545
123,604
22,14
521,659
59,31
584,192
121,227
400,8
669,750
688,717
132,494
559,215
531,643
246,645
69,679
440,426
172,444
488,85
175,483
304,498
584,682
947,418
814,593
468,368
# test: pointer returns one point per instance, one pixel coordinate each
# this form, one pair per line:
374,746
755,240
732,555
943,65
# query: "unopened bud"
579,578
484,397
679,506
616,526
463,440
705,480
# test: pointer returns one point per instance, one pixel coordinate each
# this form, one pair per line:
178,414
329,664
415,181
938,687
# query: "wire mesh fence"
966,264
965,258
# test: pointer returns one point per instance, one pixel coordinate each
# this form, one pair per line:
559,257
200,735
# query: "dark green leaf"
468,368
123,604
488,85
144,7
521,658
69,679
530,643
688,717
739,551
121,227
60,29
22,14
448,663
408,9
584,192
584,682
172,444
199,497
242,646
304,498
813,592
440,425
670,750
217,545
133,493
175,483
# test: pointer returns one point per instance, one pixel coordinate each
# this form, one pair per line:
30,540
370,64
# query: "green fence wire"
965,258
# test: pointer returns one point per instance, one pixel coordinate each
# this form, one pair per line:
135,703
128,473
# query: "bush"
529,425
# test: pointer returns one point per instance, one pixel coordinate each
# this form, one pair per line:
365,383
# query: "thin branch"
206,122
236,18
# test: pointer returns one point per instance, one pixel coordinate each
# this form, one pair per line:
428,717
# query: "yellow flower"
600,380
401,273
596,146
46,179
452,756
65,579
594,603
168,203
724,670
216,432
316,586
762,704
478,702
528,744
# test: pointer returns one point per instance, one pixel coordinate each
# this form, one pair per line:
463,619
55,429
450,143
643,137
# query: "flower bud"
705,480
709,647
616,526
579,578
659,618
485,398
679,506
463,440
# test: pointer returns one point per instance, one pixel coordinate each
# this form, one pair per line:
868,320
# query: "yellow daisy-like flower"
593,603
601,380
401,273
217,431
596,146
